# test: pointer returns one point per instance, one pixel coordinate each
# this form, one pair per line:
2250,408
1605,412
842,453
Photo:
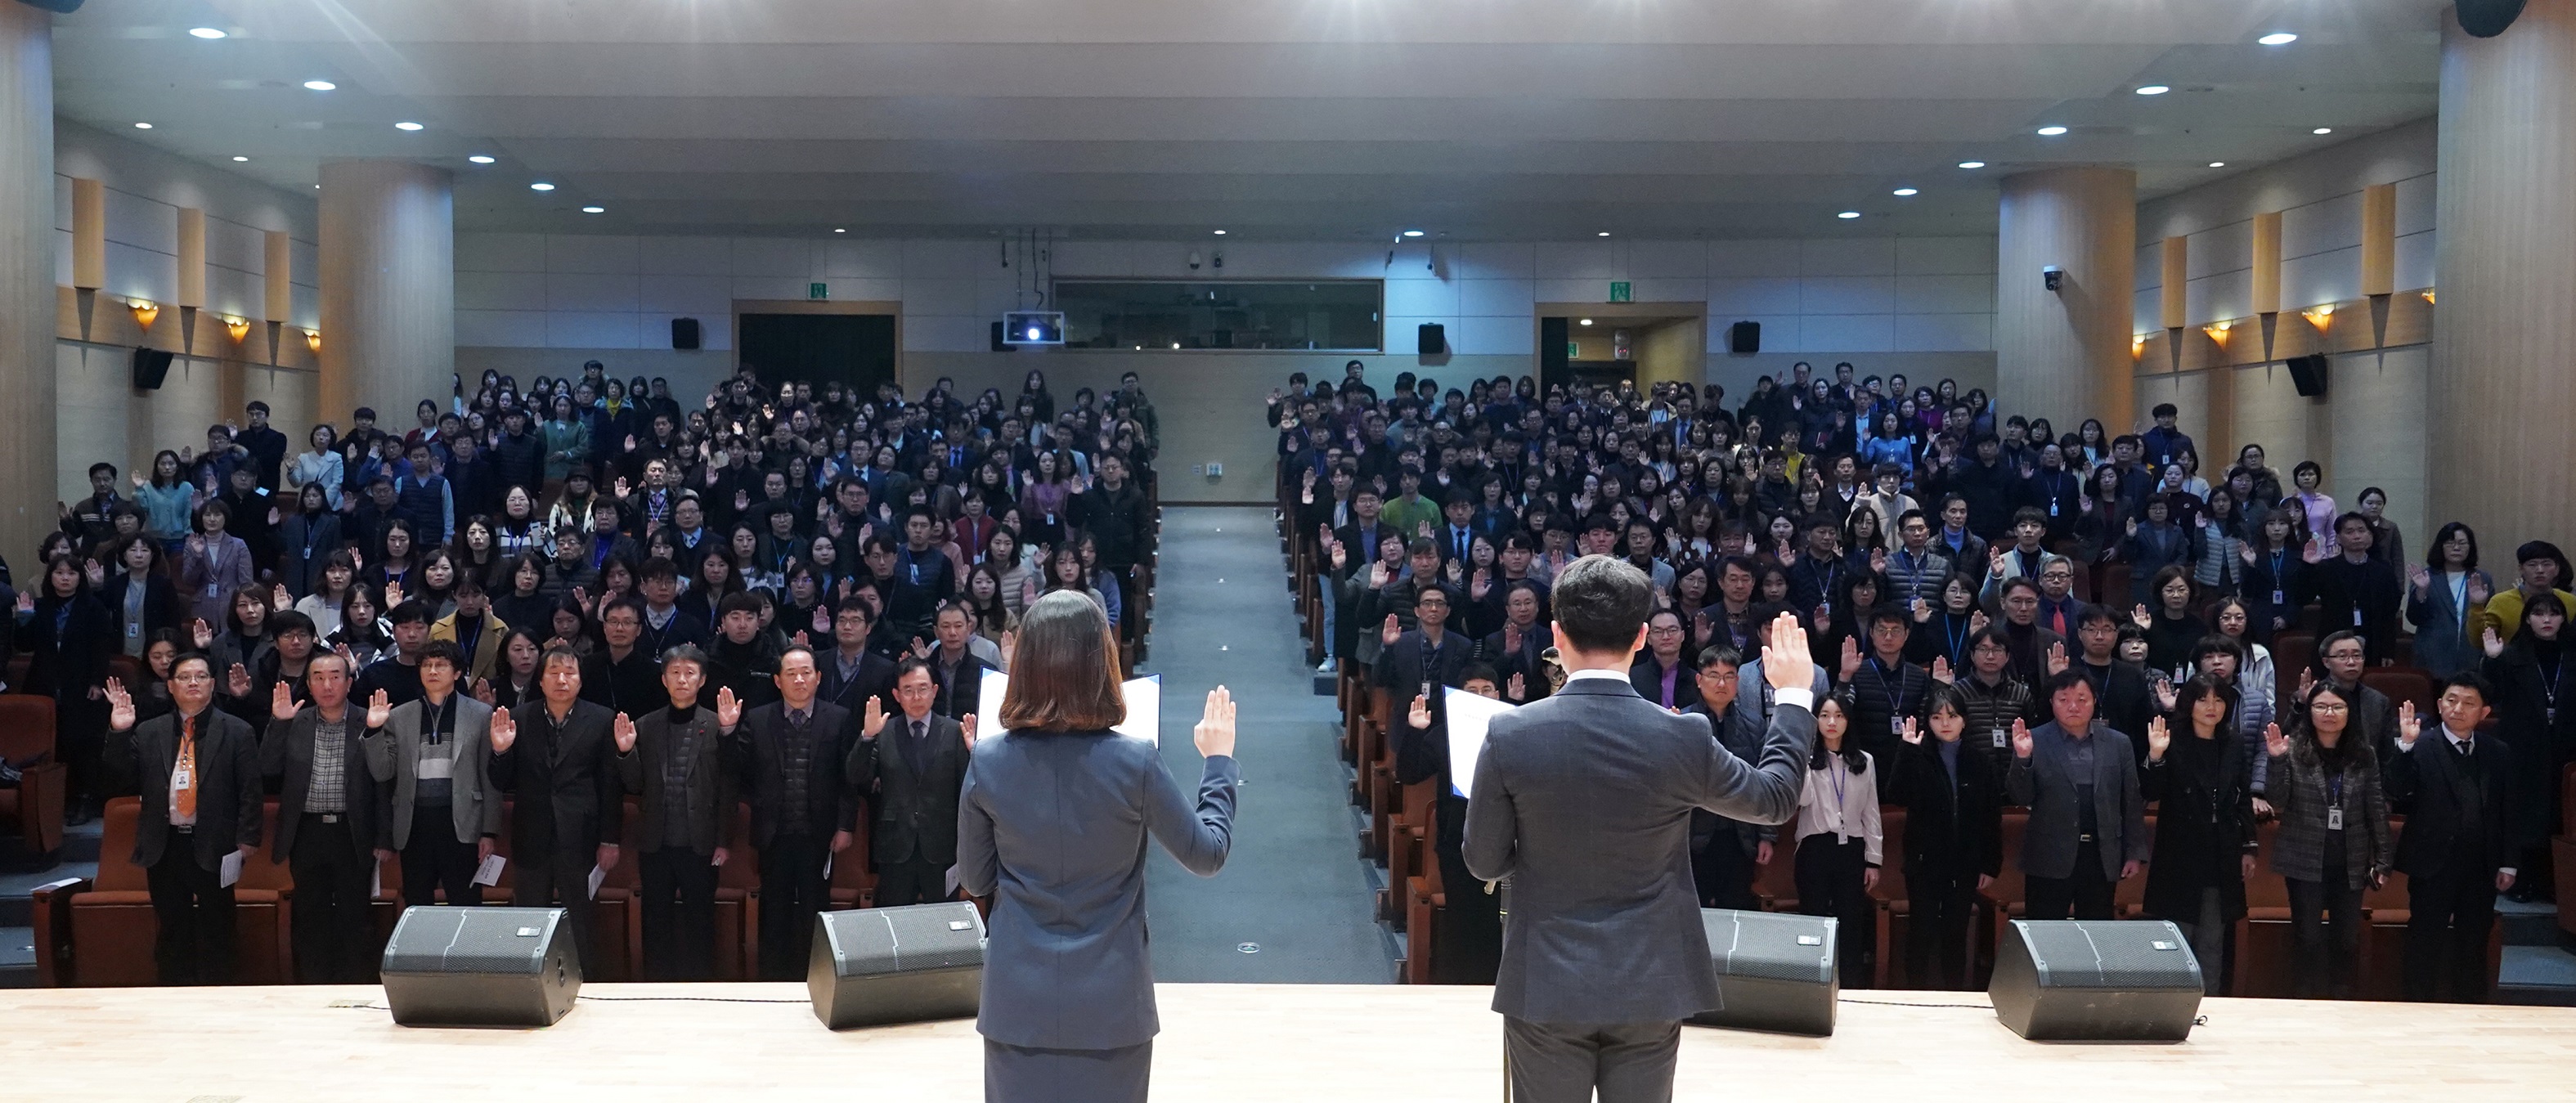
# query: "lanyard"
1958,639
2549,685
1893,682
2334,789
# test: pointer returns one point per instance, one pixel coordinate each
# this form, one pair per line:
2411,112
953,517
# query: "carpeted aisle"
1295,886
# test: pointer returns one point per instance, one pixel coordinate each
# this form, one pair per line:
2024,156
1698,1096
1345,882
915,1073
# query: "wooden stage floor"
1231,1043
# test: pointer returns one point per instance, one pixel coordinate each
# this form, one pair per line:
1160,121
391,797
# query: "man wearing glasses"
197,768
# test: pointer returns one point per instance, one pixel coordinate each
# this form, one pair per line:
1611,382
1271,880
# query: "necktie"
183,775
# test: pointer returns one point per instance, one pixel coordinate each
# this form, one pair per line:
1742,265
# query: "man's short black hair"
2096,611
444,651
2165,409
1719,655
2064,680
409,611
1602,603
2466,679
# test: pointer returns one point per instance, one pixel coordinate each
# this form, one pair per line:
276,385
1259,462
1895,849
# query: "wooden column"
2176,266
2379,239
2064,354
28,488
192,257
279,273
388,287
2265,279
2506,264
89,233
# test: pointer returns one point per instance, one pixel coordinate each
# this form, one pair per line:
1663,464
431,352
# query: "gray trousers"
1565,1062
1022,1074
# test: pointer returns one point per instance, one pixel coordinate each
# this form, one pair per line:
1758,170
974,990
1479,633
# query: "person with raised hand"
557,755
2204,844
197,769
2460,843
330,819
912,779
674,759
791,756
2088,828
2334,838
1953,800
1583,801
443,810
1052,827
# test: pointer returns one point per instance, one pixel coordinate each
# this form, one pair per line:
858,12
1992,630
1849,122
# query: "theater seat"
2292,653
2562,852
2129,897
2402,684
613,911
737,901
1895,915
112,925
2264,964
263,950
32,812
1408,848
1775,886
854,885
2003,900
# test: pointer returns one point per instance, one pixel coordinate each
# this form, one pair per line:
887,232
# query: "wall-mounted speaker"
151,366
2308,374
684,333
1744,337
448,966
2488,18
2078,980
1431,340
1775,971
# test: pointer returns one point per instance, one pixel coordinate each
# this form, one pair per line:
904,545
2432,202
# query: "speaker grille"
923,937
470,940
1766,946
2077,954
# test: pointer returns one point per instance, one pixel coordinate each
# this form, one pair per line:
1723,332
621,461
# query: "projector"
1033,327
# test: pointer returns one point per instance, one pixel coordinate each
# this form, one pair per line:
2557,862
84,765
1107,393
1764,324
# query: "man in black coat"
557,757
791,757
852,674
623,677
679,767
913,776
1418,662
2125,700
2457,846
518,458
197,769
330,826
1887,690
957,676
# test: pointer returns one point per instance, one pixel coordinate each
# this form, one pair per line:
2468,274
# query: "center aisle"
1294,885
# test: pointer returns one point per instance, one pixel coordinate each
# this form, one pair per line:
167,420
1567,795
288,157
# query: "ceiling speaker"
2488,18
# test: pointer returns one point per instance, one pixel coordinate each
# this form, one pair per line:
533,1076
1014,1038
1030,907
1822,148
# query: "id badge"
1999,739
183,778
2052,507
2334,818
133,628
2278,599
2356,616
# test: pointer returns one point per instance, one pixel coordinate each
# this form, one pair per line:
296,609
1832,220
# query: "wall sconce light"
2319,316
2137,345
238,327
313,340
2217,330
144,311
2428,296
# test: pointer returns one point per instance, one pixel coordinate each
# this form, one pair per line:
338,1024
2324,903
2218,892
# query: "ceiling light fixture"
839,230
1904,191
2322,130
1848,214
238,327
144,311
2319,316
208,33
541,186
2051,131
594,210
313,339
1413,233
1604,233
240,158
1583,321
2218,164
407,126
2278,38
1220,233
1972,164
2154,89
481,158
320,85
143,126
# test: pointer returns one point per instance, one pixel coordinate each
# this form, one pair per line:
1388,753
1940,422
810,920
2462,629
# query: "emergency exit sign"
1618,292
819,291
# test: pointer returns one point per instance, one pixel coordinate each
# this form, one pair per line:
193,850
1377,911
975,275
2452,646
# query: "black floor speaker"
1775,971
2078,980
480,967
911,964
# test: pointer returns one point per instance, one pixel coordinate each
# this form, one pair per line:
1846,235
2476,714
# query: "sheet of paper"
376,881
988,700
1469,716
489,873
1144,704
232,869
597,875
952,880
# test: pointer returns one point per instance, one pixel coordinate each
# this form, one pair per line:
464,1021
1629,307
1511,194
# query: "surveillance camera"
1194,260
2052,277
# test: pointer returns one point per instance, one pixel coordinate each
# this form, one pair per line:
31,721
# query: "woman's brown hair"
1064,670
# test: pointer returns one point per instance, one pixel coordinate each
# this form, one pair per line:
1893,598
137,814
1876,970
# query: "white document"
1144,705
1469,716
952,880
489,873
597,875
376,881
231,869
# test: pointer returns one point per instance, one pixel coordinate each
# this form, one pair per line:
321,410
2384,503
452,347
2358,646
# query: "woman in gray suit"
1052,827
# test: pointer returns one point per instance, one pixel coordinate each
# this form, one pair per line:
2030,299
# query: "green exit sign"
1619,292
820,291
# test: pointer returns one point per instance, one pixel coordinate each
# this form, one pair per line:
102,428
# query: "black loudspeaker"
873,966
2308,374
480,967
1744,337
1431,340
1775,971
2488,18
2079,980
684,333
151,366
1000,345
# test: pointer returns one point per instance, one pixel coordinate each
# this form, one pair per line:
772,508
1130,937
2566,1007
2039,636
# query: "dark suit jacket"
708,793
568,798
1584,800
830,806
875,678
2041,782
286,750
228,787
160,606
1646,676
1950,827
2125,701
2441,786
956,695
915,798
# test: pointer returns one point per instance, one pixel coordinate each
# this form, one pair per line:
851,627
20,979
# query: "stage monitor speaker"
151,366
684,333
911,964
480,967
1775,971
2308,374
1744,337
1431,340
2080,980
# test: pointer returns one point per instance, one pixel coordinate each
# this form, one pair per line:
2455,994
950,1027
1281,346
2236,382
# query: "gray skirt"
1020,1074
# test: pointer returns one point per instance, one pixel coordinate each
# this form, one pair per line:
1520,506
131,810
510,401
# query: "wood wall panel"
388,285
27,421
2068,350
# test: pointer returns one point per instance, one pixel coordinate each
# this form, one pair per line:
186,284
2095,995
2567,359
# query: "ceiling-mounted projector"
1033,327
63,7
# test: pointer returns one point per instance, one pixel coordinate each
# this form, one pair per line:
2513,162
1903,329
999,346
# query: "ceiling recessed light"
541,186
1604,233
2051,131
1583,321
1413,233
1904,191
1220,233
2322,130
207,32
1972,164
407,126
594,210
481,158
2218,164
2278,38
240,158
839,230
320,85
143,126
1848,214
2154,89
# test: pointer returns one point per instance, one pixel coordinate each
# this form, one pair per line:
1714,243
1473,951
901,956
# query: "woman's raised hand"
1215,731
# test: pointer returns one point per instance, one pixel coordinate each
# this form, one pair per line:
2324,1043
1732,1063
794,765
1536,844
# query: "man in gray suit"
1584,802
2088,825
444,811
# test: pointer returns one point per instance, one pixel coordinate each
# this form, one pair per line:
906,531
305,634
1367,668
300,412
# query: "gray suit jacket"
2048,843
1584,800
393,754
1053,827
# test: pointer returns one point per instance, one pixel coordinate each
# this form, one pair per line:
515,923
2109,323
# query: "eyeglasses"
2329,706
